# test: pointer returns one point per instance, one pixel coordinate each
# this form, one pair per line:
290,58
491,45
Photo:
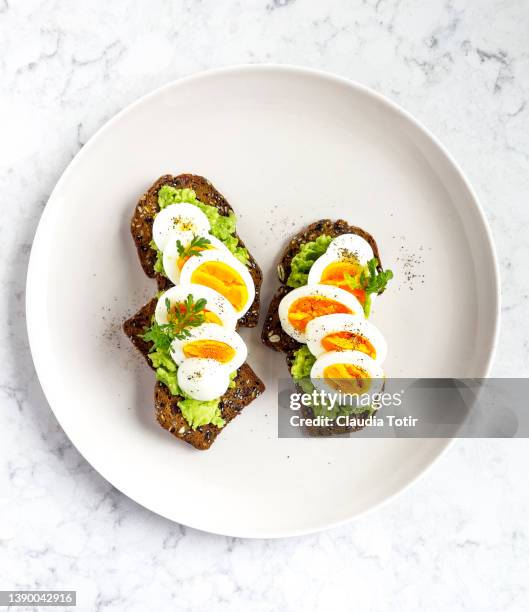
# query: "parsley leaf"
161,336
181,318
194,248
370,281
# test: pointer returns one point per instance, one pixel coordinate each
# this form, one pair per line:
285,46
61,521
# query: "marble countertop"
458,539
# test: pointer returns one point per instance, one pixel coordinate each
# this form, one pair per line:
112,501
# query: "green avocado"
198,413
303,260
169,379
301,367
222,226
158,264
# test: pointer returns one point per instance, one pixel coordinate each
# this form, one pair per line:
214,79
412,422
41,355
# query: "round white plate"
286,146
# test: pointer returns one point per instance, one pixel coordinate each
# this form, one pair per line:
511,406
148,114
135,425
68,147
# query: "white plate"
286,146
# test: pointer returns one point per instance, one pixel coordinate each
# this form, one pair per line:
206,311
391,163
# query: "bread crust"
141,230
248,386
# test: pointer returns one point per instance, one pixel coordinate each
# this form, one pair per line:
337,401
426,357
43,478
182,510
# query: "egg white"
328,291
321,327
203,379
187,219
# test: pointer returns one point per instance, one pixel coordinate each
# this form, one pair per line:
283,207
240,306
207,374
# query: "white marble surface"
458,540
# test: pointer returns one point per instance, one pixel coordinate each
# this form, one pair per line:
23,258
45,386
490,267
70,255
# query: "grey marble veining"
458,539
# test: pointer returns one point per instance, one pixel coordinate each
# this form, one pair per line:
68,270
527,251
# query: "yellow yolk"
348,341
211,317
347,378
224,279
209,349
303,310
334,274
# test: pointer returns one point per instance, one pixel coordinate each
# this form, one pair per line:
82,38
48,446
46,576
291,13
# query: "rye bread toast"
247,387
141,230
272,334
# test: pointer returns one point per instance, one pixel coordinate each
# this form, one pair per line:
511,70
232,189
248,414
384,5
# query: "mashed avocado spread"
303,260
222,226
301,367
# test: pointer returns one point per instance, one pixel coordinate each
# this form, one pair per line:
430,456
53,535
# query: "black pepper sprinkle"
410,264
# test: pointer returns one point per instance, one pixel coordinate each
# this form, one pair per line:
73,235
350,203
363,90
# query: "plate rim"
293,69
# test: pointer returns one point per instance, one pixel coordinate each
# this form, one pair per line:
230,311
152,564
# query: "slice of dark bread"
272,334
248,386
141,230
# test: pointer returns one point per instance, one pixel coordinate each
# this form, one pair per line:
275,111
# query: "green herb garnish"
194,248
182,318
186,315
370,281
161,336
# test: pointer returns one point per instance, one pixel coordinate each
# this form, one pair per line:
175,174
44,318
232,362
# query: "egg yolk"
209,349
224,279
347,378
209,317
334,274
304,309
348,341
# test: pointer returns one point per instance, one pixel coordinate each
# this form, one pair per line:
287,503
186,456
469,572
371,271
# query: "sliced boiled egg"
302,305
223,273
345,332
217,309
173,262
210,341
203,379
346,256
347,372
185,219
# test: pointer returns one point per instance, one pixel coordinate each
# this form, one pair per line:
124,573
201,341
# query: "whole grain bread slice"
141,230
247,387
272,334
